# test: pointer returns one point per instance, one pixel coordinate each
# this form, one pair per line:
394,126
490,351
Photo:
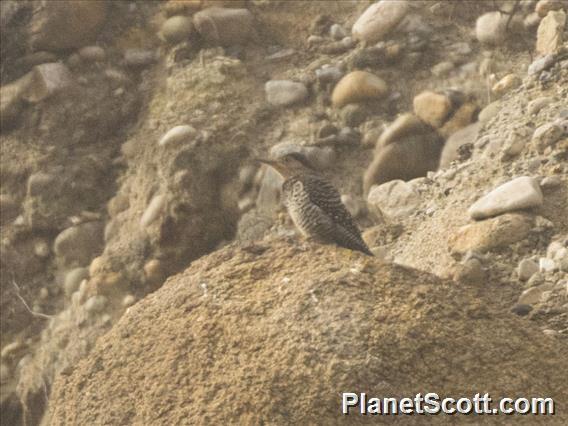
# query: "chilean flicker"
315,205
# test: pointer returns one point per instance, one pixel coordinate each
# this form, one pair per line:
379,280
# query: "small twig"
35,314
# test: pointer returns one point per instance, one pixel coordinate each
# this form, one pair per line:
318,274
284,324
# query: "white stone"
490,28
520,193
285,92
154,209
177,134
395,199
526,269
379,20
546,265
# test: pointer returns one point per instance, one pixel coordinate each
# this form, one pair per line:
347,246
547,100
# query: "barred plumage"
315,205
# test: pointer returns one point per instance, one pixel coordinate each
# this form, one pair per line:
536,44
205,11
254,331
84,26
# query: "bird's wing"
324,195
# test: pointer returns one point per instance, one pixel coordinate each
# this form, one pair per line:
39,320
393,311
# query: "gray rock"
329,75
379,20
139,58
92,53
285,92
520,193
177,29
395,199
73,279
48,80
526,269
541,64
77,245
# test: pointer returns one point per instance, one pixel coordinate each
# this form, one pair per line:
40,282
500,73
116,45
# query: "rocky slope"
273,331
126,154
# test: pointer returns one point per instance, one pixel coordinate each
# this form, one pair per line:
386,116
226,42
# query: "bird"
314,204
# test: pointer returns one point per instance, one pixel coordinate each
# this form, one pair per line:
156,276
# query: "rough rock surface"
244,331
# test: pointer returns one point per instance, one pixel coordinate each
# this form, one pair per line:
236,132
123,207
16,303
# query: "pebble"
491,233
154,210
532,295
78,244
177,135
337,32
153,271
225,26
329,75
47,80
284,93
522,310
507,83
177,29
139,58
128,300
358,86
395,199
537,104
550,31
379,20
433,108
520,193
547,134
95,304
73,280
526,269
92,53
541,64
513,146
490,28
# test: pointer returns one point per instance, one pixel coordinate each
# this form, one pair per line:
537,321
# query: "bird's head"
290,164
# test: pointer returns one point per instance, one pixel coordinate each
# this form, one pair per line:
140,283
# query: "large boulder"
273,333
